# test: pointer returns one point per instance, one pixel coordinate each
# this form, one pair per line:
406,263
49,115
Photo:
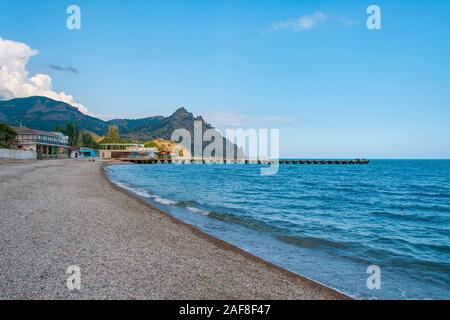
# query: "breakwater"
244,161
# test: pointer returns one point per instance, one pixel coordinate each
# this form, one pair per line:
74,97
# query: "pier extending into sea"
243,161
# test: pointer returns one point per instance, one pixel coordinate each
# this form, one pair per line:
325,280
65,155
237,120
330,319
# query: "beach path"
60,213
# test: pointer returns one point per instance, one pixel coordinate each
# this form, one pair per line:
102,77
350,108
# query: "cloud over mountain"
16,82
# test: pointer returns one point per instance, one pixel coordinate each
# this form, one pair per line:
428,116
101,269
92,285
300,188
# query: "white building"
47,145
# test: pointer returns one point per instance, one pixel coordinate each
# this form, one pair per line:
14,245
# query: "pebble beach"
60,213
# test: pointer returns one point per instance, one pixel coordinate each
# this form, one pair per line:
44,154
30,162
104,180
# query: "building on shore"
142,152
117,150
84,153
46,144
126,150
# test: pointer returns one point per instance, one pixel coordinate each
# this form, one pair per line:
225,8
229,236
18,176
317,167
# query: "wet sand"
59,213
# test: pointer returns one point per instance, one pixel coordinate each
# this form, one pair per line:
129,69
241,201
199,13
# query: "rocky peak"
182,113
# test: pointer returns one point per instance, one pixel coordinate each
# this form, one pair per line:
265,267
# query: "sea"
375,231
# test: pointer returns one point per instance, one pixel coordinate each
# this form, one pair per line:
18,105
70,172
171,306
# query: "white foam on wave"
165,201
123,185
197,210
143,193
138,191
146,194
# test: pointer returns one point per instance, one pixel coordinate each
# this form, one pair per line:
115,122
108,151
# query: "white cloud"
226,119
15,81
305,22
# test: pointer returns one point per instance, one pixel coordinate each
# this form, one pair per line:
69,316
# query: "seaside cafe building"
47,145
126,150
117,150
84,152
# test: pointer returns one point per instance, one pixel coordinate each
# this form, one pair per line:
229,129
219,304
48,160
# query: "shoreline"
58,213
216,241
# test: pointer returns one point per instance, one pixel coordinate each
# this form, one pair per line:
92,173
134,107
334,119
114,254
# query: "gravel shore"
59,213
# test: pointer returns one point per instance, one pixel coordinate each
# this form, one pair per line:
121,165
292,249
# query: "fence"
17,154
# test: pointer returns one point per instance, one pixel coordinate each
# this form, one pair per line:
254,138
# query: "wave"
312,242
404,216
190,205
418,206
199,211
187,203
164,201
248,222
135,190
143,193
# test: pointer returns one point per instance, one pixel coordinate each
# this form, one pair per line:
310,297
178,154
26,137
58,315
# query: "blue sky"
334,89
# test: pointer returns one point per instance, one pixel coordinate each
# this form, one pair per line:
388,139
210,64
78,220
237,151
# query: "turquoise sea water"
326,222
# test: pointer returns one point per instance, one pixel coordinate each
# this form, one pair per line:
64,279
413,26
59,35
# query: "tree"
71,130
112,136
87,140
7,135
151,144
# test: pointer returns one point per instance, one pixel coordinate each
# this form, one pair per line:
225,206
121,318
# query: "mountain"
158,127
46,114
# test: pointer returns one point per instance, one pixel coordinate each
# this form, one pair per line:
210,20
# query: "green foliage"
150,144
112,136
87,140
71,130
7,135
